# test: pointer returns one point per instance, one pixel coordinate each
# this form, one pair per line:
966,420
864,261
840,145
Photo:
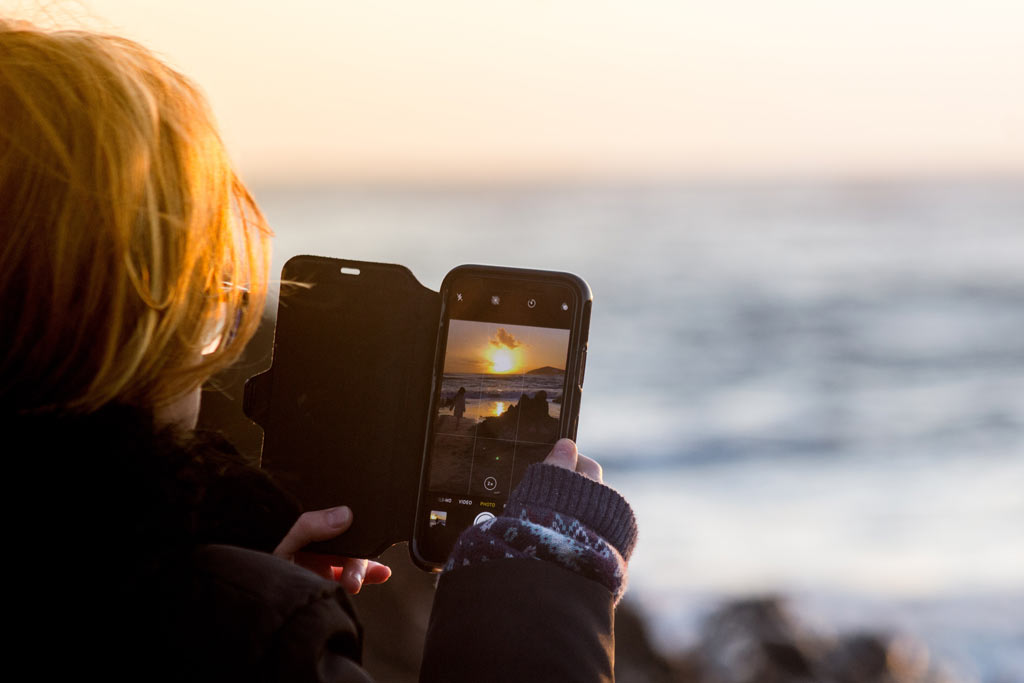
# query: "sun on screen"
503,360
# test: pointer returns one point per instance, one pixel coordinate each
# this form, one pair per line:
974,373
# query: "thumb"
563,454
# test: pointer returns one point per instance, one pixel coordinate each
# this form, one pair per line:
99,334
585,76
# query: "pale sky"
535,89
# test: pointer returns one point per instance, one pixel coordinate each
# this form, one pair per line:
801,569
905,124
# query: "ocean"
807,389
491,395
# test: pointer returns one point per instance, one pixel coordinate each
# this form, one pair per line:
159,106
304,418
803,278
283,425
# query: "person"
459,405
133,266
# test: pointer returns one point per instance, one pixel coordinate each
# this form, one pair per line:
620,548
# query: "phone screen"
500,400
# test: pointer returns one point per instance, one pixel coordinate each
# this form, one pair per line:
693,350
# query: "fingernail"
339,516
562,446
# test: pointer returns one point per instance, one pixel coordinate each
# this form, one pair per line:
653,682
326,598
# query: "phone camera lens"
565,306
532,303
495,300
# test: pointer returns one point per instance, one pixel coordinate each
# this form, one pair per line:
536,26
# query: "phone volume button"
583,366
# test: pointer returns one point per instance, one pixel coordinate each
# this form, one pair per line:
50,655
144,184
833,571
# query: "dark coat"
519,620
232,614
156,566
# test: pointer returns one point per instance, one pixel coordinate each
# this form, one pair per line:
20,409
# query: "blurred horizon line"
259,182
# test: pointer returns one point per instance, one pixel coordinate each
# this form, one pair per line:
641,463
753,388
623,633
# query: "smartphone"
507,381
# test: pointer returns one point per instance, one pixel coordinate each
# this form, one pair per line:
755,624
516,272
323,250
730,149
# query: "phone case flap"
344,404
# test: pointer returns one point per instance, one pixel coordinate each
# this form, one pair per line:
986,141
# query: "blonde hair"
127,241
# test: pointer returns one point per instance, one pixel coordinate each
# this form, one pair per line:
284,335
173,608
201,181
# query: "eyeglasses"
215,338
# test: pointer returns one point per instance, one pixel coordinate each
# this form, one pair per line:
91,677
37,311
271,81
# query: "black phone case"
344,406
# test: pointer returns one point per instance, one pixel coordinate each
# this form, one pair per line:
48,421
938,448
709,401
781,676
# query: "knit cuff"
595,505
547,536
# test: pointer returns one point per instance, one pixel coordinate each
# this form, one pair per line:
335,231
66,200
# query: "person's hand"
320,525
565,455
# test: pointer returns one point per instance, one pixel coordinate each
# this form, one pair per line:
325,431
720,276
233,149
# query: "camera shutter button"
483,517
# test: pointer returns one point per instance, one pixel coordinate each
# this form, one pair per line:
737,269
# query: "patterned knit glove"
558,516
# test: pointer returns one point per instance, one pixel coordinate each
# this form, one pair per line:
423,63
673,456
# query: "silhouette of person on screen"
459,405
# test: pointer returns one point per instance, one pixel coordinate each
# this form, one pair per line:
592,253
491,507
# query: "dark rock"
758,639
527,420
